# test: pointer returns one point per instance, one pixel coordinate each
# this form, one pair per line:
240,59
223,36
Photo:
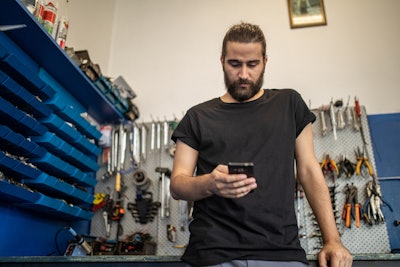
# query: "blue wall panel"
385,135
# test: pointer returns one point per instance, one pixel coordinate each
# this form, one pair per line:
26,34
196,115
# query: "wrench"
107,223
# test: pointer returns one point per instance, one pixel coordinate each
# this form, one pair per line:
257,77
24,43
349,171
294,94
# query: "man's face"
243,67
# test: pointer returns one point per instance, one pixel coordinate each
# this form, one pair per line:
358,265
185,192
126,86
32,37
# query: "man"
240,220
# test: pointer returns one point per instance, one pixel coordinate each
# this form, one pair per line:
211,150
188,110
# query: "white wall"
168,50
90,28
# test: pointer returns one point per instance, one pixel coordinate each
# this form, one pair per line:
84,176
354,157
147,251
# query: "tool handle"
348,215
357,211
118,182
357,107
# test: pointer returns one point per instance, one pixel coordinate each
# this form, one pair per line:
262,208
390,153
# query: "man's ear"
222,58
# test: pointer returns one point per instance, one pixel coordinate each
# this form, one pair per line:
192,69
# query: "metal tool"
164,211
4,28
107,223
143,139
323,122
333,119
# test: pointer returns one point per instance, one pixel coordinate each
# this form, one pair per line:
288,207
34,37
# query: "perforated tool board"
366,239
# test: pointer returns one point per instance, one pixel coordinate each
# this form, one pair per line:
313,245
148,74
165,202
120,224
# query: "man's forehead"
253,49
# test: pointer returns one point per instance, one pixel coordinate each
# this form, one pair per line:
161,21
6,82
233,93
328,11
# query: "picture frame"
306,13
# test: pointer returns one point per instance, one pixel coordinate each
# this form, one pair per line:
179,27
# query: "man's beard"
242,94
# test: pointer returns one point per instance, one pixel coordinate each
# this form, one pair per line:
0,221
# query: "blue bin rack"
25,54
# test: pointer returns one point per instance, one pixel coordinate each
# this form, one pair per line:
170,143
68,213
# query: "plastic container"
18,121
20,97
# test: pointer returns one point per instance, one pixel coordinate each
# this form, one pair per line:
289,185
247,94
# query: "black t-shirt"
261,225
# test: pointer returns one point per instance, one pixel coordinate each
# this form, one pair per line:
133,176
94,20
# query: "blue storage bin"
84,162
65,151
57,103
16,169
69,211
57,167
72,116
57,188
20,97
59,127
19,145
86,146
3,76
53,144
3,52
16,194
53,165
84,214
12,48
28,78
82,195
44,204
19,121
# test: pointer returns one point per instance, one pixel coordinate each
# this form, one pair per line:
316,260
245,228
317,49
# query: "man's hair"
244,33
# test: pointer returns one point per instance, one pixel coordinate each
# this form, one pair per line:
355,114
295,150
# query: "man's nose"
244,72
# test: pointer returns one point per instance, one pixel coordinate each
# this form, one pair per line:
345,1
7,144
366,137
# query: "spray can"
39,11
49,16
62,31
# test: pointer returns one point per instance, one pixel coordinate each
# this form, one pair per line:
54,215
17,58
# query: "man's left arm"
317,193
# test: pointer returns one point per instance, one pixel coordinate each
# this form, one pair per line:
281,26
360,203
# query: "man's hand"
231,185
336,254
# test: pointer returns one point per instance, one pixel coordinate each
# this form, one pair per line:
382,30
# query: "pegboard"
367,238
155,148
156,152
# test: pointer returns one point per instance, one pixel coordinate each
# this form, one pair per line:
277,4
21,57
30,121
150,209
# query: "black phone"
241,167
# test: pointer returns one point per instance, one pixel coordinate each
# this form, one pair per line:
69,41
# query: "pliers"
328,166
351,201
363,164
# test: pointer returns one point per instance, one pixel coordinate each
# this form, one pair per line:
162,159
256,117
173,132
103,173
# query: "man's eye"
235,63
252,64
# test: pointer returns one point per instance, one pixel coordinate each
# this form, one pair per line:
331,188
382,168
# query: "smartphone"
241,167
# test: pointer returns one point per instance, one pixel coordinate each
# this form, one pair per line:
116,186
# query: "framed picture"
306,13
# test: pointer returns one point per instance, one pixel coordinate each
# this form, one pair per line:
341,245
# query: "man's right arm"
185,186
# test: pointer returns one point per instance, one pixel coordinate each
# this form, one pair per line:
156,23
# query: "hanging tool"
329,167
143,138
351,207
4,28
372,207
164,190
165,132
363,166
357,109
346,167
118,210
153,135
158,135
134,137
144,209
348,112
333,119
341,123
323,122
